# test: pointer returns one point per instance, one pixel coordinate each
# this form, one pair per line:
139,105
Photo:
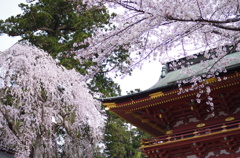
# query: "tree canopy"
124,142
45,110
56,25
165,30
168,30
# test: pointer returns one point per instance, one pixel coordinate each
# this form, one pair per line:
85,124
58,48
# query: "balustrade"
198,131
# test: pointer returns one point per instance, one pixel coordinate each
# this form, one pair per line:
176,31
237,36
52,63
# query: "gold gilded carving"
109,105
201,125
224,126
160,115
169,132
144,120
155,95
229,119
210,80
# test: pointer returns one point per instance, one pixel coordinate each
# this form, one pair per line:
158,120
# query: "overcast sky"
8,8
143,79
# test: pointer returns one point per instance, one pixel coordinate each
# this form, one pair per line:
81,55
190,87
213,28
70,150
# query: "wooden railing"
201,131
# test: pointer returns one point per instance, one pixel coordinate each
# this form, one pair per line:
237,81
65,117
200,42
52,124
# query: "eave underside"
160,112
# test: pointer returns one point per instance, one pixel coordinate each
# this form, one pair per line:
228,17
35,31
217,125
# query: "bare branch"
205,20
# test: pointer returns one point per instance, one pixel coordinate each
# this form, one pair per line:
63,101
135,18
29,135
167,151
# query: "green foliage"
122,140
104,84
8,99
54,25
134,91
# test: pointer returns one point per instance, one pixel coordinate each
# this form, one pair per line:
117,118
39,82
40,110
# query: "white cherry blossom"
33,91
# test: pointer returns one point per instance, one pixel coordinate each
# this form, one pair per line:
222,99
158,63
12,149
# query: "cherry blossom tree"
165,30
45,110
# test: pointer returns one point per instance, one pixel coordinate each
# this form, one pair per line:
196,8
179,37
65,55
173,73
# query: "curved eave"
136,95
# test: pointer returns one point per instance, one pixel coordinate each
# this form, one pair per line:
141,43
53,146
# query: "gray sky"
143,79
7,9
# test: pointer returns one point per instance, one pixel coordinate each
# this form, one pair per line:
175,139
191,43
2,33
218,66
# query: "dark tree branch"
65,27
200,12
176,38
46,29
230,51
125,4
126,28
10,123
12,33
227,27
204,20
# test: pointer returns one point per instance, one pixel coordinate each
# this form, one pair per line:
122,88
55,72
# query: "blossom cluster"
165,30
41,101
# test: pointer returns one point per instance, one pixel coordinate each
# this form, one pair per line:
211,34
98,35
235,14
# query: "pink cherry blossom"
38,100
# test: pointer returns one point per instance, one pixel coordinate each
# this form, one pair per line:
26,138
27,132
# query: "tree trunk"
36,149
